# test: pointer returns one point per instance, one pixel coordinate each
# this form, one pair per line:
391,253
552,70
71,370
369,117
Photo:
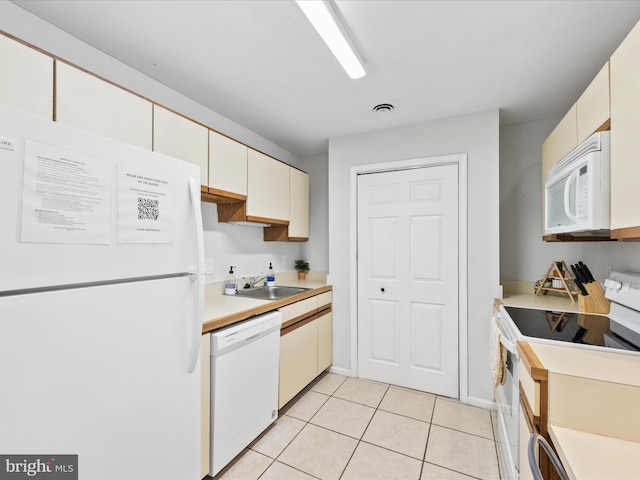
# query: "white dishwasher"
245,365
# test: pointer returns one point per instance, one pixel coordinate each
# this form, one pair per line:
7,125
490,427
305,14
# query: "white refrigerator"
101,297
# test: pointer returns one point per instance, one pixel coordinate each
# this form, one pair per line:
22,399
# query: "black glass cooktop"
572,327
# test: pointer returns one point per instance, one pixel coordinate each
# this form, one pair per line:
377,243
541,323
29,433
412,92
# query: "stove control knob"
612,285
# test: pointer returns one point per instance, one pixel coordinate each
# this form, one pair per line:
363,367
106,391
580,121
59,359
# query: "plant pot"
302,275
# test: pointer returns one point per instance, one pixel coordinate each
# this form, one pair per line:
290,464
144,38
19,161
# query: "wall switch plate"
208,266
284,259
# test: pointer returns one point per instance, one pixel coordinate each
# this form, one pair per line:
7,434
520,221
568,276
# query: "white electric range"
618,331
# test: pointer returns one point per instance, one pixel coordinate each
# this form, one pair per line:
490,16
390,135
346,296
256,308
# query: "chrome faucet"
261,277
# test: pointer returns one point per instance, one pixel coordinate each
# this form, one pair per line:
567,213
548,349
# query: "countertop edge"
223,321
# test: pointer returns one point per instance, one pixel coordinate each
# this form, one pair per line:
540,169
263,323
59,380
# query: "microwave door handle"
567,206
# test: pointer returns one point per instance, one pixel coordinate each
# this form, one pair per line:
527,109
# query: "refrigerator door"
102,372
81,208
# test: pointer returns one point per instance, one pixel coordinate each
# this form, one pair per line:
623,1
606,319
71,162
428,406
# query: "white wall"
316,250
243,248
524,256
475,134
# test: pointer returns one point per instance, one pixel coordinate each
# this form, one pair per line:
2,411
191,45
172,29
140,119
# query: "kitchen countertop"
590,456
593,446
222,310
614,367
520,294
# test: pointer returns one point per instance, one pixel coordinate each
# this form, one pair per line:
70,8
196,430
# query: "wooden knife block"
595,302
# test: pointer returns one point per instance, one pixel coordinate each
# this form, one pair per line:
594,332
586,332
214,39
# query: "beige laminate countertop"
590,456
606,366
542,302
608,447
222,310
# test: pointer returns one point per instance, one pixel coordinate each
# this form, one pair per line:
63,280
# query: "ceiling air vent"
383,108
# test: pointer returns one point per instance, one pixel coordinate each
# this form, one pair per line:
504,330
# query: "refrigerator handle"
197,277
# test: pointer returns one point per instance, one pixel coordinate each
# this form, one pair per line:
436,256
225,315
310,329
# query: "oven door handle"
510,346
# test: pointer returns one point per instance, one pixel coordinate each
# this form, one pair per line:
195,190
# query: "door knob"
382,289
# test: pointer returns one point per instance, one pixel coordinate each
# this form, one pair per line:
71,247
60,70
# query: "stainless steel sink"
270,293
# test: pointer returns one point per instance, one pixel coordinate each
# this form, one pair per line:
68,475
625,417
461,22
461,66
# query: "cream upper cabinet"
267,187
561,141
179,137
26,82
592,108
625,125
298,205
92,104
227,164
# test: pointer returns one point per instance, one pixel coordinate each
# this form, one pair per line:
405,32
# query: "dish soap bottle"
271,276
230,284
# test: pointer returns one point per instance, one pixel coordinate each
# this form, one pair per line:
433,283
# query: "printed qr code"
147,209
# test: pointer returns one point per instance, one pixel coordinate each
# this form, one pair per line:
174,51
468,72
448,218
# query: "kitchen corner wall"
523,254
242,247
316,250
477,136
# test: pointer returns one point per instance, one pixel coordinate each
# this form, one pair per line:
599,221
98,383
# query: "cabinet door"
523,446
592,108
298,360
179,137
625,125
298,205
26,83
227,164
92,104
267,187
325,339
561,141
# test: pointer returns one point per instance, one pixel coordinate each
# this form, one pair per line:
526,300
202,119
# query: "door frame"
459,159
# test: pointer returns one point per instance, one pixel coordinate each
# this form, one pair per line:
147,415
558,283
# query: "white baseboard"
345,372
482,403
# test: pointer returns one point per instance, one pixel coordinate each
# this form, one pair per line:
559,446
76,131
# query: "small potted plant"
302,267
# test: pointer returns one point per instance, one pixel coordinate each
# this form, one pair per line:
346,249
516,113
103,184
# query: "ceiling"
261,64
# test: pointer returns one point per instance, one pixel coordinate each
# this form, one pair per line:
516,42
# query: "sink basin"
270,293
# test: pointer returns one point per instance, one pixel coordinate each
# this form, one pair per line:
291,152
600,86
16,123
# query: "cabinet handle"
382,289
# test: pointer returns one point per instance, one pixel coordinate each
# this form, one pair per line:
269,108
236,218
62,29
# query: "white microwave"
578,189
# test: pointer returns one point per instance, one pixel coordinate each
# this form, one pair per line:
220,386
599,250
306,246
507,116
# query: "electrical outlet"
284,259
208,266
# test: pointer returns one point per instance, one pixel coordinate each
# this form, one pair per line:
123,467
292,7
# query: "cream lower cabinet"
90,103
625,147
305,344
526,430
26,83
298,359
179,137
325,341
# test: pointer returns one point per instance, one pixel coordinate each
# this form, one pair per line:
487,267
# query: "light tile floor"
354,429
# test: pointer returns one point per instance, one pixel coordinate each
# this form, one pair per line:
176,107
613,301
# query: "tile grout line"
360,440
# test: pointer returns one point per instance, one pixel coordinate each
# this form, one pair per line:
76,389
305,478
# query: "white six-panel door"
408,278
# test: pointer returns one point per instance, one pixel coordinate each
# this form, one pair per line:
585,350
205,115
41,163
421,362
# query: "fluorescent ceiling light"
326,24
